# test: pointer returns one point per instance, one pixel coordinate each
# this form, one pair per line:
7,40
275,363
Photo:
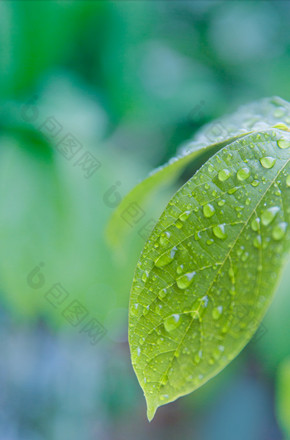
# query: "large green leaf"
208,271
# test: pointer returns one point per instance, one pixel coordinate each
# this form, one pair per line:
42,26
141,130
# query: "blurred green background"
94,94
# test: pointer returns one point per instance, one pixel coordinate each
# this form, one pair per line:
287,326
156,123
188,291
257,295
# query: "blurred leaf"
274,347
283,396
34,37
52,214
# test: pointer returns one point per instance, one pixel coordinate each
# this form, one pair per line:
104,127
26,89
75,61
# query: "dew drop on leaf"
231,273
224,175
219,232
243,173
184,216
197,236
288,180
208,210
179,269
162,293
269,215
283,144
164,238
172,322
217,312
184,281
166,258
279,231
197,357
258,242
268,162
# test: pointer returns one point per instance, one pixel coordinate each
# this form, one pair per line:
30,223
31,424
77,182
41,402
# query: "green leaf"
209,269
283,396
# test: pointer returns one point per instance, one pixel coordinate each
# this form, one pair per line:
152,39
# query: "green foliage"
49,213
283,396
208,271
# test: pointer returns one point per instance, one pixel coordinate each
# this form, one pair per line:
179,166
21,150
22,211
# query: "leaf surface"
209,269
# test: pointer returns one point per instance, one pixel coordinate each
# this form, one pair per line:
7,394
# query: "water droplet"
255,183
233,290
268,162
217,312
179,269
172,322
283,144
232,190
146,310
288,180
255,224
243,173
162,293
166,258
279,231
224,175
184,281
268,216
221,202
208,210
164,238
158,309
179,224
134,310
144,276
219,232
281,126
184,216
258,242
204,301
197,357
197,236
231,273
245,256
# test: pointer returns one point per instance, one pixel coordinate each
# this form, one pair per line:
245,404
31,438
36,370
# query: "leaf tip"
151,410
151,403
